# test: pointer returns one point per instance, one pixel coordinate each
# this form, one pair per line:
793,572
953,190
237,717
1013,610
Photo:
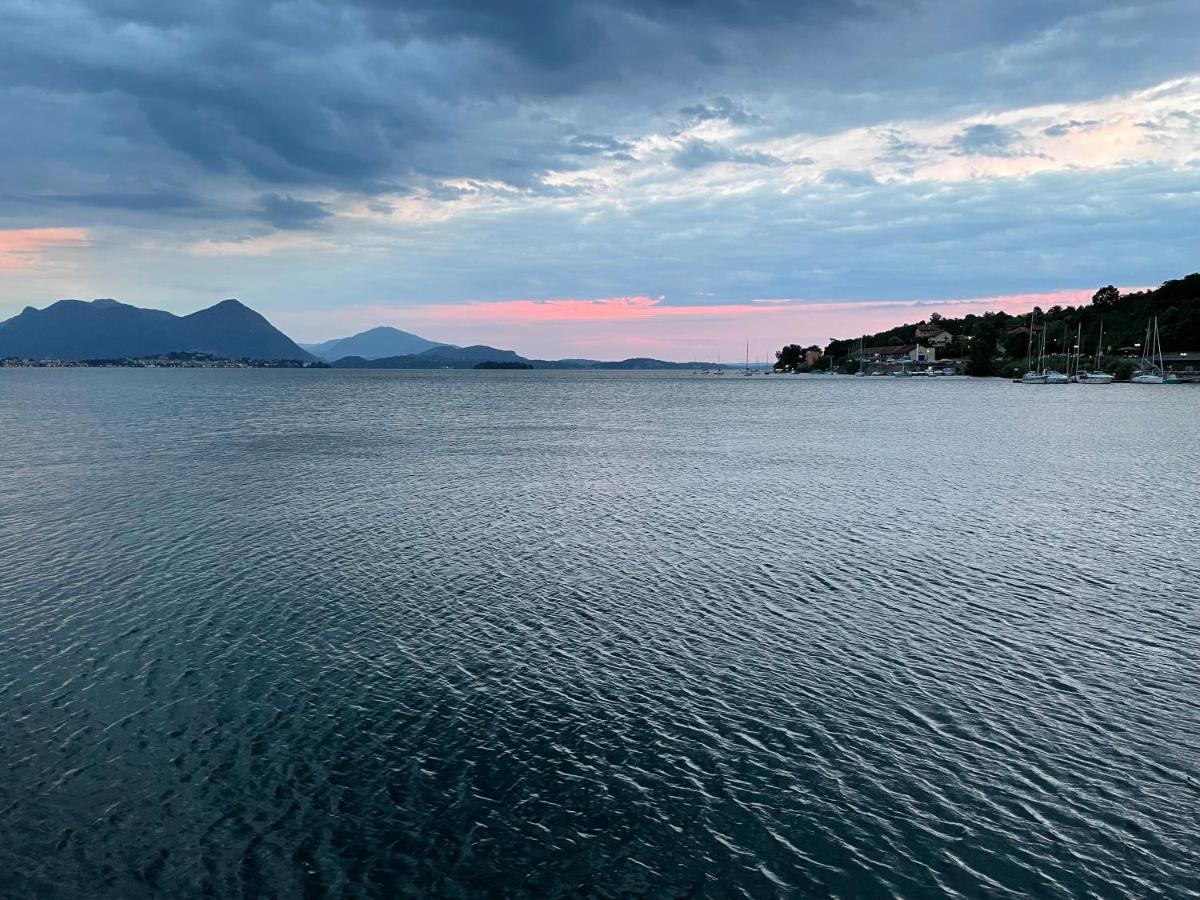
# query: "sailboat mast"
1029,347
1079,346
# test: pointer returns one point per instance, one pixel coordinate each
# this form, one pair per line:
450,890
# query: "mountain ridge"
73,330
105,328
448,357
374,343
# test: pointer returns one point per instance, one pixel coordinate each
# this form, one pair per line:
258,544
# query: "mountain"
106,329
376,343
447,357
634,363
439,357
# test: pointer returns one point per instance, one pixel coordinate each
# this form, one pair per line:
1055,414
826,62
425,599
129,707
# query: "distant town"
1119,335
174,360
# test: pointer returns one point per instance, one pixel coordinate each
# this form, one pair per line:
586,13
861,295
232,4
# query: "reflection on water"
553,635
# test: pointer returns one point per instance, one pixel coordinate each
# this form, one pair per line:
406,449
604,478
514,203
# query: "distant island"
996,343
490,364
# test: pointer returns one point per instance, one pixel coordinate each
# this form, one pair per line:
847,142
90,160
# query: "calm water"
283,634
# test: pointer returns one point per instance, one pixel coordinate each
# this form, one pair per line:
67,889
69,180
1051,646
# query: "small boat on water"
1151,371
1053,376
1032,376
1096,376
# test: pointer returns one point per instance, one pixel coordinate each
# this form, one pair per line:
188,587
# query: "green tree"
790,358
981,362
1107,297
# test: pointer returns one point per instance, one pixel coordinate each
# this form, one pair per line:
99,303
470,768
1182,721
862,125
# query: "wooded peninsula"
996,343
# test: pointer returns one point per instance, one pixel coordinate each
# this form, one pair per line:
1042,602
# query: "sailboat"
1074,354
1151,371
1032,376
1053,376
747,369
1095,376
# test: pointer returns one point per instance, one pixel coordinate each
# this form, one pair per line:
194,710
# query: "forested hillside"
994,340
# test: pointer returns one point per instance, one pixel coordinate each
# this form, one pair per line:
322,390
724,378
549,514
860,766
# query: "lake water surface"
534,634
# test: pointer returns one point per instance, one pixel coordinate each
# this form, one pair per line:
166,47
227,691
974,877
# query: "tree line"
994,342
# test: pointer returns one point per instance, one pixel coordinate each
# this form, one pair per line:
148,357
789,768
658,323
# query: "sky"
606,179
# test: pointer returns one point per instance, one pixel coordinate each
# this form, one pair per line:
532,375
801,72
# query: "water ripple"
613,635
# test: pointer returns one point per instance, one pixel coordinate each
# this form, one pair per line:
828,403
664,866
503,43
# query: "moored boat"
1032,376
1151,371
1096,376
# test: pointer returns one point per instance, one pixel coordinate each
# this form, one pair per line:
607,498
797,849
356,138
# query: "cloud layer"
317,156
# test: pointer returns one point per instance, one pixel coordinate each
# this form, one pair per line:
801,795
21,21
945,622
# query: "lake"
553,634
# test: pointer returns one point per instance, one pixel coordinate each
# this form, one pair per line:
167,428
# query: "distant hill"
447,357
634,363
1176,303
106,329
440,357
376,343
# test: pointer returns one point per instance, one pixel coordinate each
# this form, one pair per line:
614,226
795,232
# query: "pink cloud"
607,309
615,327
20,247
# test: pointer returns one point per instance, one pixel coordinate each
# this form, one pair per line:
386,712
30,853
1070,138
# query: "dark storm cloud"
368,96
697,154
362,94
288,213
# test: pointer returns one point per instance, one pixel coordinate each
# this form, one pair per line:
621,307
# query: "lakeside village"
1143,337
175,360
